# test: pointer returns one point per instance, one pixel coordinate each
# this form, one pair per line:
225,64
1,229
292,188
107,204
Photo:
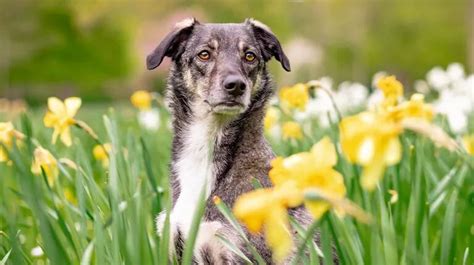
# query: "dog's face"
222,64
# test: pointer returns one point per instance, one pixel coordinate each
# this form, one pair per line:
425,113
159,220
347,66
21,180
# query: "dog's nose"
234,85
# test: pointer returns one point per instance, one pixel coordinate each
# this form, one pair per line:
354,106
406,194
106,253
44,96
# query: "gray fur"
240,149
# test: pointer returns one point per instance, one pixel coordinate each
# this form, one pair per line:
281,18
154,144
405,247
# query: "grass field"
422,211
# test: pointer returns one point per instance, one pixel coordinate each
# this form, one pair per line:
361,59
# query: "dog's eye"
250,56
204,55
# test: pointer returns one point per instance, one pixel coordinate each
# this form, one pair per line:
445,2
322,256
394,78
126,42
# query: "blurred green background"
95,49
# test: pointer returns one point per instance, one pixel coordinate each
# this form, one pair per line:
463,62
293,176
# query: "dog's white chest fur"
194,170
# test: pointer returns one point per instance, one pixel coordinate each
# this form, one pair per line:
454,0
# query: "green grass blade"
227,213
389,241
5,258
448,231
308,237
194,229
230,246
87,255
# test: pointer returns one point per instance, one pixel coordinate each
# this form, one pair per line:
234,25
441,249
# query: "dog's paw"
210,249
176,233
160,223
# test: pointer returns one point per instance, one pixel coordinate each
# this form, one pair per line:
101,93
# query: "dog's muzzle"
234,86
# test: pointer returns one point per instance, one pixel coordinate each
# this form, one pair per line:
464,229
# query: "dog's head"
221,64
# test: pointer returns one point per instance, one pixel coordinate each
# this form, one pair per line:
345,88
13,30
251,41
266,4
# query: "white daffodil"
455,71
438,78
149,119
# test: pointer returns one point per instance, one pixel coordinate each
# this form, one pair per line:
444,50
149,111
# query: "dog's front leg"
208,249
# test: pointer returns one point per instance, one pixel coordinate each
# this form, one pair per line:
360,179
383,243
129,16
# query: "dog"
217,91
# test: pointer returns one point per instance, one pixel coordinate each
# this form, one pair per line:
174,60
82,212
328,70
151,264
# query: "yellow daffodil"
392,90
271,118
292,176
266,209
278,233
101,153
295,97
60,116
414,108
371,140
141,99
311,170
292,130
43,159
468,143
7,135
294,179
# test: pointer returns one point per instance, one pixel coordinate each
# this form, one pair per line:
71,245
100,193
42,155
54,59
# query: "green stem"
309,236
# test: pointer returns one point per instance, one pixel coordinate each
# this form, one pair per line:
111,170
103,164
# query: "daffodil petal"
66,136
277,233
366,151
317,208
336,187
55,135
56,106
50,119
51,174
251,208
278,173
3,155
289,194
324,153
371,175
44,159
72,106
393,153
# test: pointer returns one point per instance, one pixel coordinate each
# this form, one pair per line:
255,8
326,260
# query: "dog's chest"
194,168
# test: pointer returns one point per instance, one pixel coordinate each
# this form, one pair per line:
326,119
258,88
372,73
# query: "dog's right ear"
270,44
171,45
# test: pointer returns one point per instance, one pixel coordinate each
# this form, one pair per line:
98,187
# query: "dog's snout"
234,85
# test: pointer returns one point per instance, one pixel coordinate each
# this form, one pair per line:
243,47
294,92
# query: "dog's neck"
204,144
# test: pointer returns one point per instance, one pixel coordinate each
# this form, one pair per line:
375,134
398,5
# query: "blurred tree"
53,48
410,37
404,37
91,48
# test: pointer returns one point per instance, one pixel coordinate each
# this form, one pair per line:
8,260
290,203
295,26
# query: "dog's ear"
268,42
171,45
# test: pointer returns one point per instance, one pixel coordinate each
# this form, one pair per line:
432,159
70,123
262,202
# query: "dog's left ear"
172,44
268,42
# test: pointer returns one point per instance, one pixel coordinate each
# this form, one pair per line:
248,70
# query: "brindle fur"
241,152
